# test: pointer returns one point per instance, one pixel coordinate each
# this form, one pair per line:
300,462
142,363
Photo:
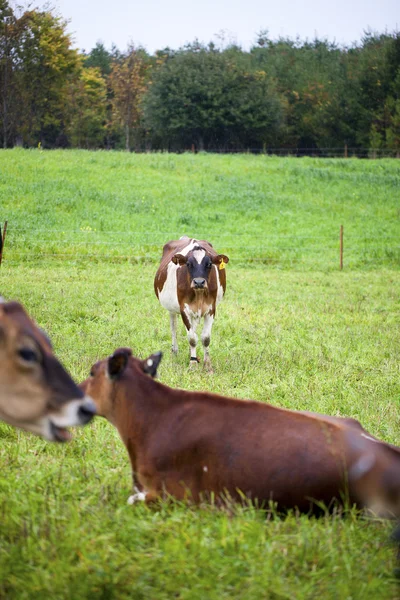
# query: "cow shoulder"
169,249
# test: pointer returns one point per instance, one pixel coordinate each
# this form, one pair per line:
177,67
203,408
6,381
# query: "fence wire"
28,245
338,152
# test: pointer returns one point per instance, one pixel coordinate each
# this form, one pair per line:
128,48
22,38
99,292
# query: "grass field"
85,231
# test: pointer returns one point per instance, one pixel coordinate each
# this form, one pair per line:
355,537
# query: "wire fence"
338,152
322,251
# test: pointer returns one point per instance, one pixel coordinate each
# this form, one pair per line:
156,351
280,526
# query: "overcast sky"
156,24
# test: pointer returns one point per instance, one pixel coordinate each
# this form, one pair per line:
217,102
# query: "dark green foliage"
281,94
212,99
100,58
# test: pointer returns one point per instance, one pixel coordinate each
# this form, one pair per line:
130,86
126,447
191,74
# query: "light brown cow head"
36,392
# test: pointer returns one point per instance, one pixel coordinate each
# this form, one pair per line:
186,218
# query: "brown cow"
191,281
192,445
36,392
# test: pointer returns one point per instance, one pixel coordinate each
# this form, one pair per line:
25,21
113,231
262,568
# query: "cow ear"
117,362
220,260
179,259
150,365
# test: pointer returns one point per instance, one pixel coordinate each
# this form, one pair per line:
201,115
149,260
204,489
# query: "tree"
379,74
99,57
44,65
128,84
9,35
281,93
211,99
87,102
312,79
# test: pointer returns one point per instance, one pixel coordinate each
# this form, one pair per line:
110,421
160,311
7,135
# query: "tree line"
281,93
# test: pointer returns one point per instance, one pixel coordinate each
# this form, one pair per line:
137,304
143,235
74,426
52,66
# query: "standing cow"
191,281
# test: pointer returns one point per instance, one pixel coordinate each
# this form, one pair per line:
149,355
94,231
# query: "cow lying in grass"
194,445
36,392
191,281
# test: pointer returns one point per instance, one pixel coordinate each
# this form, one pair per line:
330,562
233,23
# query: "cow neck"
139,402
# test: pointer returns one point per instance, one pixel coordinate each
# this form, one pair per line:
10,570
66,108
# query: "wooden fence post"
2,240
341,247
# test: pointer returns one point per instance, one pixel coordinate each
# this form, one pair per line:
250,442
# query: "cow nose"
86,411
199,282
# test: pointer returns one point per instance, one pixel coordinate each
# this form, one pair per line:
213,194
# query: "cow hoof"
194,364
208,366
174,351
139,497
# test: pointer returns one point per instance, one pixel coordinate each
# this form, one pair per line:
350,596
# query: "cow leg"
137,487
206,338
191,326
172,321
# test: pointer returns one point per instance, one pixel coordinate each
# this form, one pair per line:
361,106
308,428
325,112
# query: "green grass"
282,213
296,333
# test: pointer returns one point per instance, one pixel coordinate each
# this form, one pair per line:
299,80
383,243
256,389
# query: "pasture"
85,232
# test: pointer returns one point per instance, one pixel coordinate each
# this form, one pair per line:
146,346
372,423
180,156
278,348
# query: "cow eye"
28,355
91,374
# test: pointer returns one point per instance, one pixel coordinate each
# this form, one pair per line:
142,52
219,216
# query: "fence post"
2,240
341,247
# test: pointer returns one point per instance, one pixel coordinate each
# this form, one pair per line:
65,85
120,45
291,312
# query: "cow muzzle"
86,411
199,283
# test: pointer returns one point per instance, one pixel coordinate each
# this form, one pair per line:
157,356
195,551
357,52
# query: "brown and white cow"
191,281
36,392
197,445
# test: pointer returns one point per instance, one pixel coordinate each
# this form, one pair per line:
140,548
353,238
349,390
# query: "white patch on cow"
362,466
168,296
138,497
220,289
199,255
208,323
367,437
205,469
149,362
189,247
197,309
192,315
194,319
